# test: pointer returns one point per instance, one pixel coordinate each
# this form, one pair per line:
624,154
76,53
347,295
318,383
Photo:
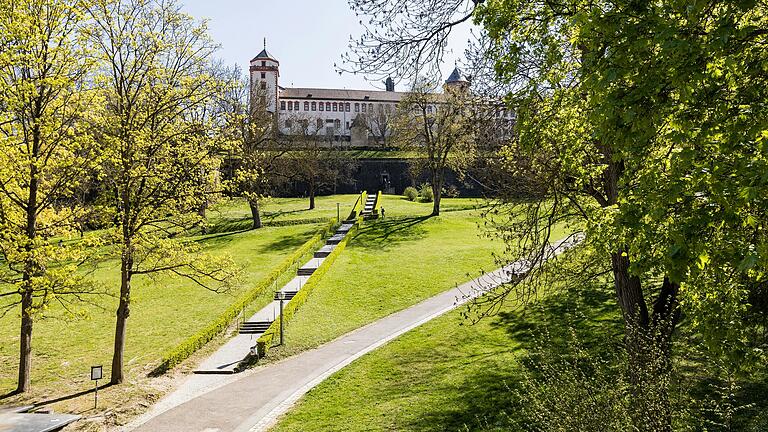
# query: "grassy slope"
164,311
446,374
392,264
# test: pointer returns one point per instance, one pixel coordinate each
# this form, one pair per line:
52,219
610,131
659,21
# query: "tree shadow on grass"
488,400
386,232
287,242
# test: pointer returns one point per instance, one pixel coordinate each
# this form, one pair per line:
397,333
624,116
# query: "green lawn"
164,311
448,374
391,264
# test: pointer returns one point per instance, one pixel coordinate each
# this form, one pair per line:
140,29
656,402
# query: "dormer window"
263,64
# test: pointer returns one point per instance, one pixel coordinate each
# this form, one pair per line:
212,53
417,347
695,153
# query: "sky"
306,36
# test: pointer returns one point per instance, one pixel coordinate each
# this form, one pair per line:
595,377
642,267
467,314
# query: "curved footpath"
253,401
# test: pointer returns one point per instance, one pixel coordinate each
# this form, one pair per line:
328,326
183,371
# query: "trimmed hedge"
377,206
359,205
185,349
264,342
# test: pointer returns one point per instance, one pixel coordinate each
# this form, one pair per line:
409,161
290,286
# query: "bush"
410,193
425,193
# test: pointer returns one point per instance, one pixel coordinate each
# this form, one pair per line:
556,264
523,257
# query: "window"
346,107
263,85
381,109
263,64
314,106
370,107
388,108
327,106
363,107
322,106
288,124
347,125
357,107
335,107
429,109
263,75
319,123
296,106
282,105
337,124
290,106
306,106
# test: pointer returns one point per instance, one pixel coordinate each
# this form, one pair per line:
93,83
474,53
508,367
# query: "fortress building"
353,116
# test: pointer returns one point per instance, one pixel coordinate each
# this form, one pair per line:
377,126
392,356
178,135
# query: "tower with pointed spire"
265,72
456,81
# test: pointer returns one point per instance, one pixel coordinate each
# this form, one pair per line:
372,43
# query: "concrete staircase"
229,356
370,203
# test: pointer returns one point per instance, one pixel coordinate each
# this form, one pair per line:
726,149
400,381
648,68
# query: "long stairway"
229,356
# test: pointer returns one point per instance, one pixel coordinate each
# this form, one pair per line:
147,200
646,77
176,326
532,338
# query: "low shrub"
410,193
425,193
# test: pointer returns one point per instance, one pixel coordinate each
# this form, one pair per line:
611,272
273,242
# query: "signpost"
338,212
96,374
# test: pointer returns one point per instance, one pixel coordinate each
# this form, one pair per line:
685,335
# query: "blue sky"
306,36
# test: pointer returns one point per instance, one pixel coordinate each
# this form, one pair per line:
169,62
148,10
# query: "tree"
623,113
379,124
312,158
45,151
437,127
642,124
251,130
155,77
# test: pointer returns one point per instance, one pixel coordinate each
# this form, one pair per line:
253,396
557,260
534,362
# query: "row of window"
330,106
304,124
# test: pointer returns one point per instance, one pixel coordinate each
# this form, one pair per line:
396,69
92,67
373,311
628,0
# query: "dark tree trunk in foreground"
25,342
123,312
255,214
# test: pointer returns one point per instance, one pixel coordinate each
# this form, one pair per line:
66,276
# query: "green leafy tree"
250,132
46,150
642,124
155,79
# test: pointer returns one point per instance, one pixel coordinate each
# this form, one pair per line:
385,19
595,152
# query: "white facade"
329,113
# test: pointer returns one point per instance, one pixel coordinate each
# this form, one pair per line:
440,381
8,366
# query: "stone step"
305,271
344,228
254,327
288,295
324,251
335,239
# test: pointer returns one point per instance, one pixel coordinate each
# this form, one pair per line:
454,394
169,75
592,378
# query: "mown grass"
164,310
448,374
392,263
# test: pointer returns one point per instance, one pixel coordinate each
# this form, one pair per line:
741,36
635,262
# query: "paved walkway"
253,401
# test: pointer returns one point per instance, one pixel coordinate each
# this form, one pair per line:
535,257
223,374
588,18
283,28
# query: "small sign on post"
96,375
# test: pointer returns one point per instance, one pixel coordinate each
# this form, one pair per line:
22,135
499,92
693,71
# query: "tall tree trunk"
437,188
123,312
201,211
648,338
255,214
31,269
311,195
25,342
